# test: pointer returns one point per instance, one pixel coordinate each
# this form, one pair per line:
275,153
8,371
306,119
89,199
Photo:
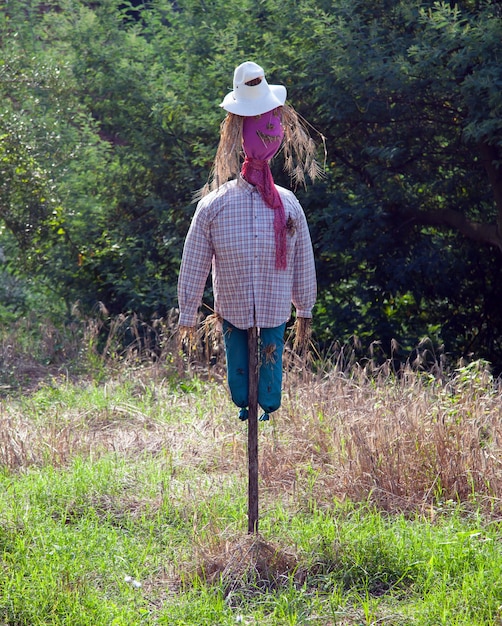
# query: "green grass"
125,503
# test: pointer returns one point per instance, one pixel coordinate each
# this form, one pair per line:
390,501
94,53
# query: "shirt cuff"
303,312
187,319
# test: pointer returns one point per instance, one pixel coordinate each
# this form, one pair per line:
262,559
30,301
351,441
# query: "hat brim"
276,97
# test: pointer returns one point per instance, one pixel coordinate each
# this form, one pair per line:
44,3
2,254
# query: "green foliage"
109,123
408,198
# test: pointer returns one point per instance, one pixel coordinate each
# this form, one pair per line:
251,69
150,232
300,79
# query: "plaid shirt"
233,230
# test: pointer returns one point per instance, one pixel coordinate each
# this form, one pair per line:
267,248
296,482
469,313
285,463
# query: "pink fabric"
261,139
262,135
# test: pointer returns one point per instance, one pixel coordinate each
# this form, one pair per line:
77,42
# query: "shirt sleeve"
304,279
195,268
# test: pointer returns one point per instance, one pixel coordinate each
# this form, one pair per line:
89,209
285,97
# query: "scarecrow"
253,235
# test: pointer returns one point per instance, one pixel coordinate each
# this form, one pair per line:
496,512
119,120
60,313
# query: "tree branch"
489,234
484,233
491,159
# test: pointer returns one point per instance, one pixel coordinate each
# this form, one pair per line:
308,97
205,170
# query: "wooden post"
253,431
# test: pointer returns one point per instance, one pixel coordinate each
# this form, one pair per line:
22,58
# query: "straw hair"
298,148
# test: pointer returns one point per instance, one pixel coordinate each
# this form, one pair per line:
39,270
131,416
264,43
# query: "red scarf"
261,138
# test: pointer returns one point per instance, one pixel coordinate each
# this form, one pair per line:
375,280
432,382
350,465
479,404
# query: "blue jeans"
270,346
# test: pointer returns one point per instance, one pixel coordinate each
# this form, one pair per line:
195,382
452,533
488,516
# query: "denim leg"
236,349
270,380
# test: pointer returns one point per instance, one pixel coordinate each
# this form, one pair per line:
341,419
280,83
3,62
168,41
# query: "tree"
110,122
408,95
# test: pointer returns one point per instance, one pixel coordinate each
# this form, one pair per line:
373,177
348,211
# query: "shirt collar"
243,183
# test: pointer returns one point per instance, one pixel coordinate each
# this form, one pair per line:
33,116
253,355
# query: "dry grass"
32,351
406,442
67,432
247,564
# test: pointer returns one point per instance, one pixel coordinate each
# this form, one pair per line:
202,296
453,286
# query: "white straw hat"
252,99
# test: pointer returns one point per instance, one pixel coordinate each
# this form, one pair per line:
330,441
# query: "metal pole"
253,431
